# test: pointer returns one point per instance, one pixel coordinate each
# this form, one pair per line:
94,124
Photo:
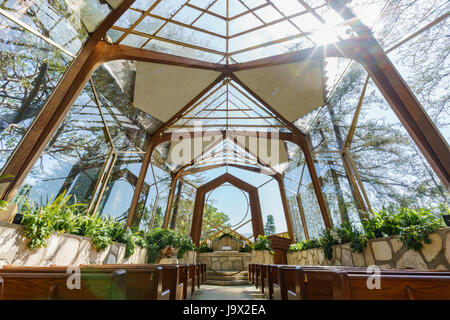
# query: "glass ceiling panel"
256,29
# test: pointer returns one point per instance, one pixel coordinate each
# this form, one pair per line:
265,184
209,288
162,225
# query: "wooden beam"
255,206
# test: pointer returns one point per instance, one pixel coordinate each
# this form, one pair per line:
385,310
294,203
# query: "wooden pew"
250,273
198,275
274,284
326,283
191,278
144,281
289,282
205,273
399,287
257,275
184,273
40,286
263,280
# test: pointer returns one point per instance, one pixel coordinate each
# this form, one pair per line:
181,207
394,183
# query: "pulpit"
280,246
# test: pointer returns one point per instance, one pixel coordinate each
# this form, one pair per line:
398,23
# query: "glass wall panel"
119,190
74,157
424,65
30,70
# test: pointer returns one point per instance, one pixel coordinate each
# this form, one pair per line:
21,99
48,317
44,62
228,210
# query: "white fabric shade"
292,89
162,90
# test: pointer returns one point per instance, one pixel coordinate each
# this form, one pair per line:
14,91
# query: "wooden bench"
399,287
43,286
144,281
257,275
250,273
328,283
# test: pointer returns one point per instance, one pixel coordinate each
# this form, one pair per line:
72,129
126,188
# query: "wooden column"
173,185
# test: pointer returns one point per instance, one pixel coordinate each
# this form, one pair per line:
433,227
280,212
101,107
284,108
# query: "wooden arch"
255,206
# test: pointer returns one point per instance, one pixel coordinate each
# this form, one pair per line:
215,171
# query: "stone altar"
225,260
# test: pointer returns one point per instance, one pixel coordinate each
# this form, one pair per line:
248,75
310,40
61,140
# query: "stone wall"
225,260
63,249
262,257
386,252
190,257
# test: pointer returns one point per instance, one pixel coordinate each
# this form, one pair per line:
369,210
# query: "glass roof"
228,31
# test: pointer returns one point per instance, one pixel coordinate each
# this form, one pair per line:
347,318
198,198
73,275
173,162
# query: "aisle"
213,292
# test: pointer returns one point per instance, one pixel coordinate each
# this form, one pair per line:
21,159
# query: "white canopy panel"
162,90
292,89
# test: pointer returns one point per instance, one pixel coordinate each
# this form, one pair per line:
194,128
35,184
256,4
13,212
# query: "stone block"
84,252
381,250
358,259
396,244
447,247
66,251
98,257
9,243
430,251
346,256
411,259
368,256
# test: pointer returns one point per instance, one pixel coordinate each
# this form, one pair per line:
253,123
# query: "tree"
269,226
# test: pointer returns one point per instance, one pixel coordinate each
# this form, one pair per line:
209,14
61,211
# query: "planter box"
386,252
63,249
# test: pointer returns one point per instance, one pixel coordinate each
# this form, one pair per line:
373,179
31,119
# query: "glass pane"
74,157
119,190
30,70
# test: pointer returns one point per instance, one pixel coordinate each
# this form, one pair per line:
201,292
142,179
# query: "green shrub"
416,225
304,245
160,238
326,241
204,248
57,215
345,232
262,243
358,241
246,248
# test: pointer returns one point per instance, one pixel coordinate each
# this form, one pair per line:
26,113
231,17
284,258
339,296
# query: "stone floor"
213,292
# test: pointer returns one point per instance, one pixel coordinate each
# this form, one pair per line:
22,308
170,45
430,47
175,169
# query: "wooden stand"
280,245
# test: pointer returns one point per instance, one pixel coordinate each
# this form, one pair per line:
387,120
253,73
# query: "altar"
225,260
226,255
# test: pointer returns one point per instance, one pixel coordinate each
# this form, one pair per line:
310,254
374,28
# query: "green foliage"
304,245
159,238
57,215
358,241
269,226
413,226
246,248
204,248
226,234
326,241
345,232
262,243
